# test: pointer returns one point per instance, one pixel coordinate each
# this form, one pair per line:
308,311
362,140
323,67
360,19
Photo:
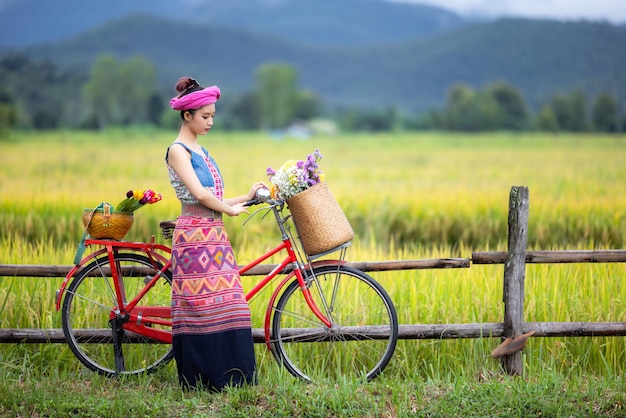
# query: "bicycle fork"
306,292
305,282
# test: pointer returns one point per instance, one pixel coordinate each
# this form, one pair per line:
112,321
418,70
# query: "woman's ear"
188,116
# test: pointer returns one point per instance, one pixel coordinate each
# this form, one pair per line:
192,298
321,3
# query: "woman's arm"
180,161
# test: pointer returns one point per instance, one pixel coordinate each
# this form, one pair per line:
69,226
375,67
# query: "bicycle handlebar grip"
252,202
261,195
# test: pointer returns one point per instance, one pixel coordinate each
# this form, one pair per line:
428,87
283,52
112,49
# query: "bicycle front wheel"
92,324
364,329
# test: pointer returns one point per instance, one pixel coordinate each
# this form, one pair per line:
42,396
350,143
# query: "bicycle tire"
363,337
89,304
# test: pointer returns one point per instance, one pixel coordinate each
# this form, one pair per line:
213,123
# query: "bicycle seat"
167,228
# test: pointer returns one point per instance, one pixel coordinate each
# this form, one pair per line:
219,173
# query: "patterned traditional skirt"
211,325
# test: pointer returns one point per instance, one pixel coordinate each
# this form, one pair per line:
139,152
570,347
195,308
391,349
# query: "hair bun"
186,83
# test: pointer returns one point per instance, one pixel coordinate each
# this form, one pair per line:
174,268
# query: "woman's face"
202,119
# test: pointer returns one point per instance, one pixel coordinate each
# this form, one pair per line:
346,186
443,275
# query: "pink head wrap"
196,99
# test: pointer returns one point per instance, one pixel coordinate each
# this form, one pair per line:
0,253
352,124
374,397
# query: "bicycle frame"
297,269
136,319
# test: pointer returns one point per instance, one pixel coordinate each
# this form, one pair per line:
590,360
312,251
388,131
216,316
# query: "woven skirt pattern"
207,295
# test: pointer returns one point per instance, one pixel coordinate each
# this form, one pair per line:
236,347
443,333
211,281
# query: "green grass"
408,197
32,389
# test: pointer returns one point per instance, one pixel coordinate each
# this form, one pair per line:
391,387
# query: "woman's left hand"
256,186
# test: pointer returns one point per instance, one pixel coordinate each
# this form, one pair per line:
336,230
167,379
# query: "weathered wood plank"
36,270
489,257
33,270
514,275
435,263
55,335
576,329
405,332
561,256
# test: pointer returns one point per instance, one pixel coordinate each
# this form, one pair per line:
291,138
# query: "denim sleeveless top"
205,168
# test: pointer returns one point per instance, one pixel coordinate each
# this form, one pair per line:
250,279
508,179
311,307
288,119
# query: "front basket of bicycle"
319,220
105,223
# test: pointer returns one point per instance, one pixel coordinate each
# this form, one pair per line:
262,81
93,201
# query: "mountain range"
363,53
316,22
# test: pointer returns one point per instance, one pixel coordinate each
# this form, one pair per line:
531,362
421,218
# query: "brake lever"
265,208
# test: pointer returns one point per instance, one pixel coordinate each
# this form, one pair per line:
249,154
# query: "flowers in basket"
136,199
321,224
295,176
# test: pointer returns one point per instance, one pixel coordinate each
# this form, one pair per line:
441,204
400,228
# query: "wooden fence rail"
35,270
513,323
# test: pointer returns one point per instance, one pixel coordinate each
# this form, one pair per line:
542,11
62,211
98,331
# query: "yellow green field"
407,196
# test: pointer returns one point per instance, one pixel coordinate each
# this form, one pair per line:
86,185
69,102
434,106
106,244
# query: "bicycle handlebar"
262,196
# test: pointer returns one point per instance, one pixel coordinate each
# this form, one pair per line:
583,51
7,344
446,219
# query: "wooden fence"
513,324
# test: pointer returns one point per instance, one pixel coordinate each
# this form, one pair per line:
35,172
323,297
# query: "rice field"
408,196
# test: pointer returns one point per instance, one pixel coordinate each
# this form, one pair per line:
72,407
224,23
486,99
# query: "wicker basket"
320,222
106,223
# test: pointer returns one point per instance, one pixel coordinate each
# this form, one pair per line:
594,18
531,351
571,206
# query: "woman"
211,328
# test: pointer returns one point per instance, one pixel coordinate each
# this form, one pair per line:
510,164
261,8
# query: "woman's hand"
256,186
237,209
237,204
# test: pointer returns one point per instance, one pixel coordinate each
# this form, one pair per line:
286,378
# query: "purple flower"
270,171
129,194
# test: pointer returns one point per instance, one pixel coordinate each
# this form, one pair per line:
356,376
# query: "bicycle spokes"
100,330
362,335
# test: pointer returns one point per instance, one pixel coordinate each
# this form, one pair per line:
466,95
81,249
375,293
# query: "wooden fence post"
514,274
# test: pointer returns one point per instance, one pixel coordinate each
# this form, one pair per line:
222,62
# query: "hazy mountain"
539,57
315,22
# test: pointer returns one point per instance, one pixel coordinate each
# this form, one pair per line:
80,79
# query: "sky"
604,10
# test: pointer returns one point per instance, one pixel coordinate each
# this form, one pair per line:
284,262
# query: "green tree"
578,104
470,111
307,105
136,81
276,94
102,92
458,99
512,110
156,107
244,113
546,120
570,111
41,98
120,93
8,112
604,113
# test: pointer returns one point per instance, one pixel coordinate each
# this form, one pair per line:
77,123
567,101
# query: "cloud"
604,10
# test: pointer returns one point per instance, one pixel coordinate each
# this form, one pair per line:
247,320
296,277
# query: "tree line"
500,106
33,95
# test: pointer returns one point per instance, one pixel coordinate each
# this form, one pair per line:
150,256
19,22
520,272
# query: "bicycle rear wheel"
89,316
364,326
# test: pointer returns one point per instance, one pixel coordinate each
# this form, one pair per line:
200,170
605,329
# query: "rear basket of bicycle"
106,223
319,220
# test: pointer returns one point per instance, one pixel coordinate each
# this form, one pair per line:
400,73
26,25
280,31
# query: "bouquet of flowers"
136,199
294,176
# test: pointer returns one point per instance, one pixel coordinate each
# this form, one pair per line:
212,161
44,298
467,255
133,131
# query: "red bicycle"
323,319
